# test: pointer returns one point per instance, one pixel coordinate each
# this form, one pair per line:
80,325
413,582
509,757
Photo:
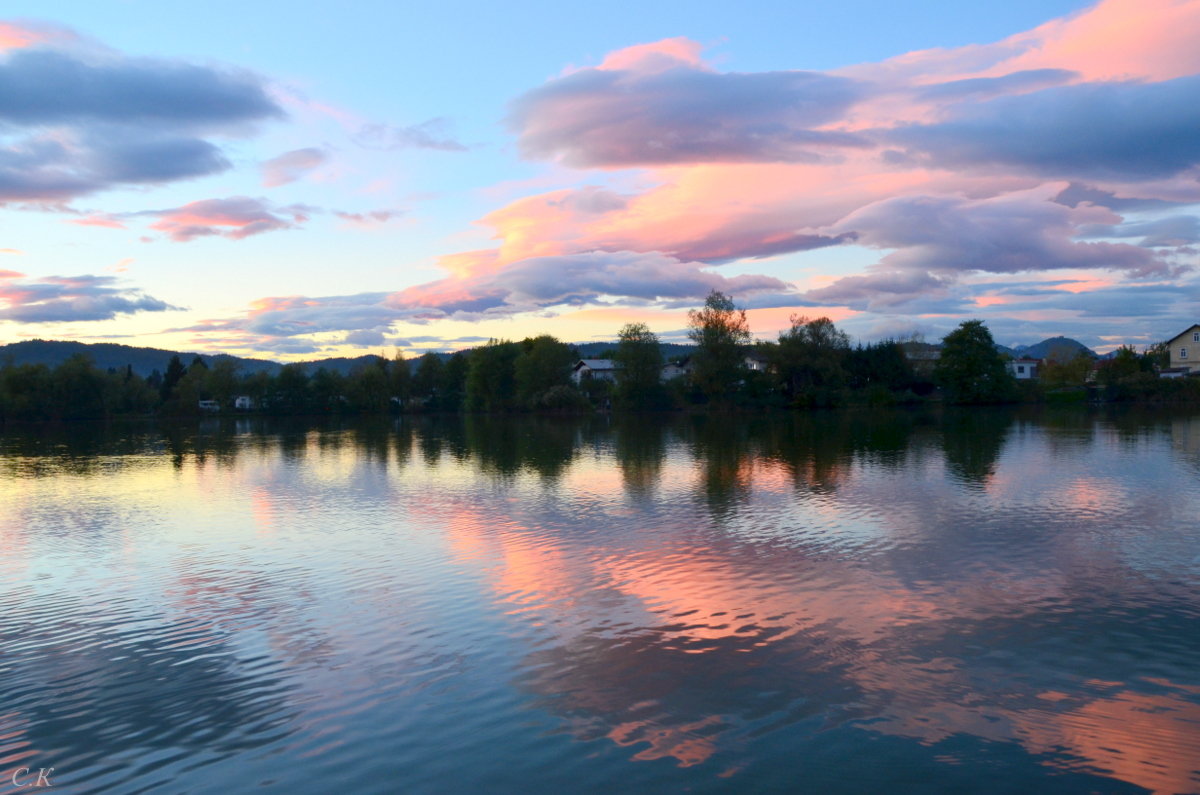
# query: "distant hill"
1043,349
595,350
107,355
144,361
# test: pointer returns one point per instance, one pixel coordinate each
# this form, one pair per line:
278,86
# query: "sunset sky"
295,181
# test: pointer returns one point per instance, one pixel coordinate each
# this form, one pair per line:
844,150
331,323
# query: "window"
1183,353
1196,336
1020,368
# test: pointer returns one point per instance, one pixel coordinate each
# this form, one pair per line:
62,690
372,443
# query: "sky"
298,182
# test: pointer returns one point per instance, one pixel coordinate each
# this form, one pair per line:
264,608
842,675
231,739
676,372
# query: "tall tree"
970,369
452,383
811,359
400,374
544,363
426,380
175,373
491,376
639,379
720,331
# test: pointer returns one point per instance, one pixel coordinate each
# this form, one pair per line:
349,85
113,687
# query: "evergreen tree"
175,373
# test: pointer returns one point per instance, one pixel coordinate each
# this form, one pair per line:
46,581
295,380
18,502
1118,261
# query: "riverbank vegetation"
812,364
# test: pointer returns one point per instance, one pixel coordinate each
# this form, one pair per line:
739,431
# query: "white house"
604,369
756,362
672,370
243,403
209,405
1025,369
1184,349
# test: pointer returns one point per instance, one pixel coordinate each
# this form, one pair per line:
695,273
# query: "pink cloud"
16,36
656,56
104,221
235,218
291,166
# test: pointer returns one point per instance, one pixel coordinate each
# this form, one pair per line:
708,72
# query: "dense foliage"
811,365
970,369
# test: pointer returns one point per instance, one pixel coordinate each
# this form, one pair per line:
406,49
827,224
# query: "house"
603,369
209,405
1184,350
756,362
922,356
1025,369
243,403
679,369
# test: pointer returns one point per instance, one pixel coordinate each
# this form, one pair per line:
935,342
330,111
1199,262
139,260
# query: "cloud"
369,217
80,119
431,134
1007,234
1175,230
366,338
58,299
235,218
650,106
535,284
1109,131
291,166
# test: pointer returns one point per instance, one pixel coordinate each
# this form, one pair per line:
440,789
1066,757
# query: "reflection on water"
979,601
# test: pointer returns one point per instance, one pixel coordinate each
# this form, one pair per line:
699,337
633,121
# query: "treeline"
811,365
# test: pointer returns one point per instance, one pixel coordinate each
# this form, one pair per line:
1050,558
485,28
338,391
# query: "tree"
425,383
1066,369
491,376
400,374
175,373
810,360
720,331
970,369
368,387
291,390
544,363
639,379
223,382
1125,363
452,383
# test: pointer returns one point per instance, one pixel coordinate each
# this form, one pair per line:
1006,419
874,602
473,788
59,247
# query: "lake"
984,601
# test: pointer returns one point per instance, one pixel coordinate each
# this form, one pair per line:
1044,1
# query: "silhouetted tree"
970,369
491,376
639,379
720,331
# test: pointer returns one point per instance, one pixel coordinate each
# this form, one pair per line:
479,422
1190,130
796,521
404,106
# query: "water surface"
969,602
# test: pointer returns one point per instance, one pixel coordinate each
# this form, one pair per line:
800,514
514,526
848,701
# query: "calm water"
988,602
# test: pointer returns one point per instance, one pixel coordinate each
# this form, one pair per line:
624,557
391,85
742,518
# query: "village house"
603,369
756,362
1184,352
672,370
209,405
1025,369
